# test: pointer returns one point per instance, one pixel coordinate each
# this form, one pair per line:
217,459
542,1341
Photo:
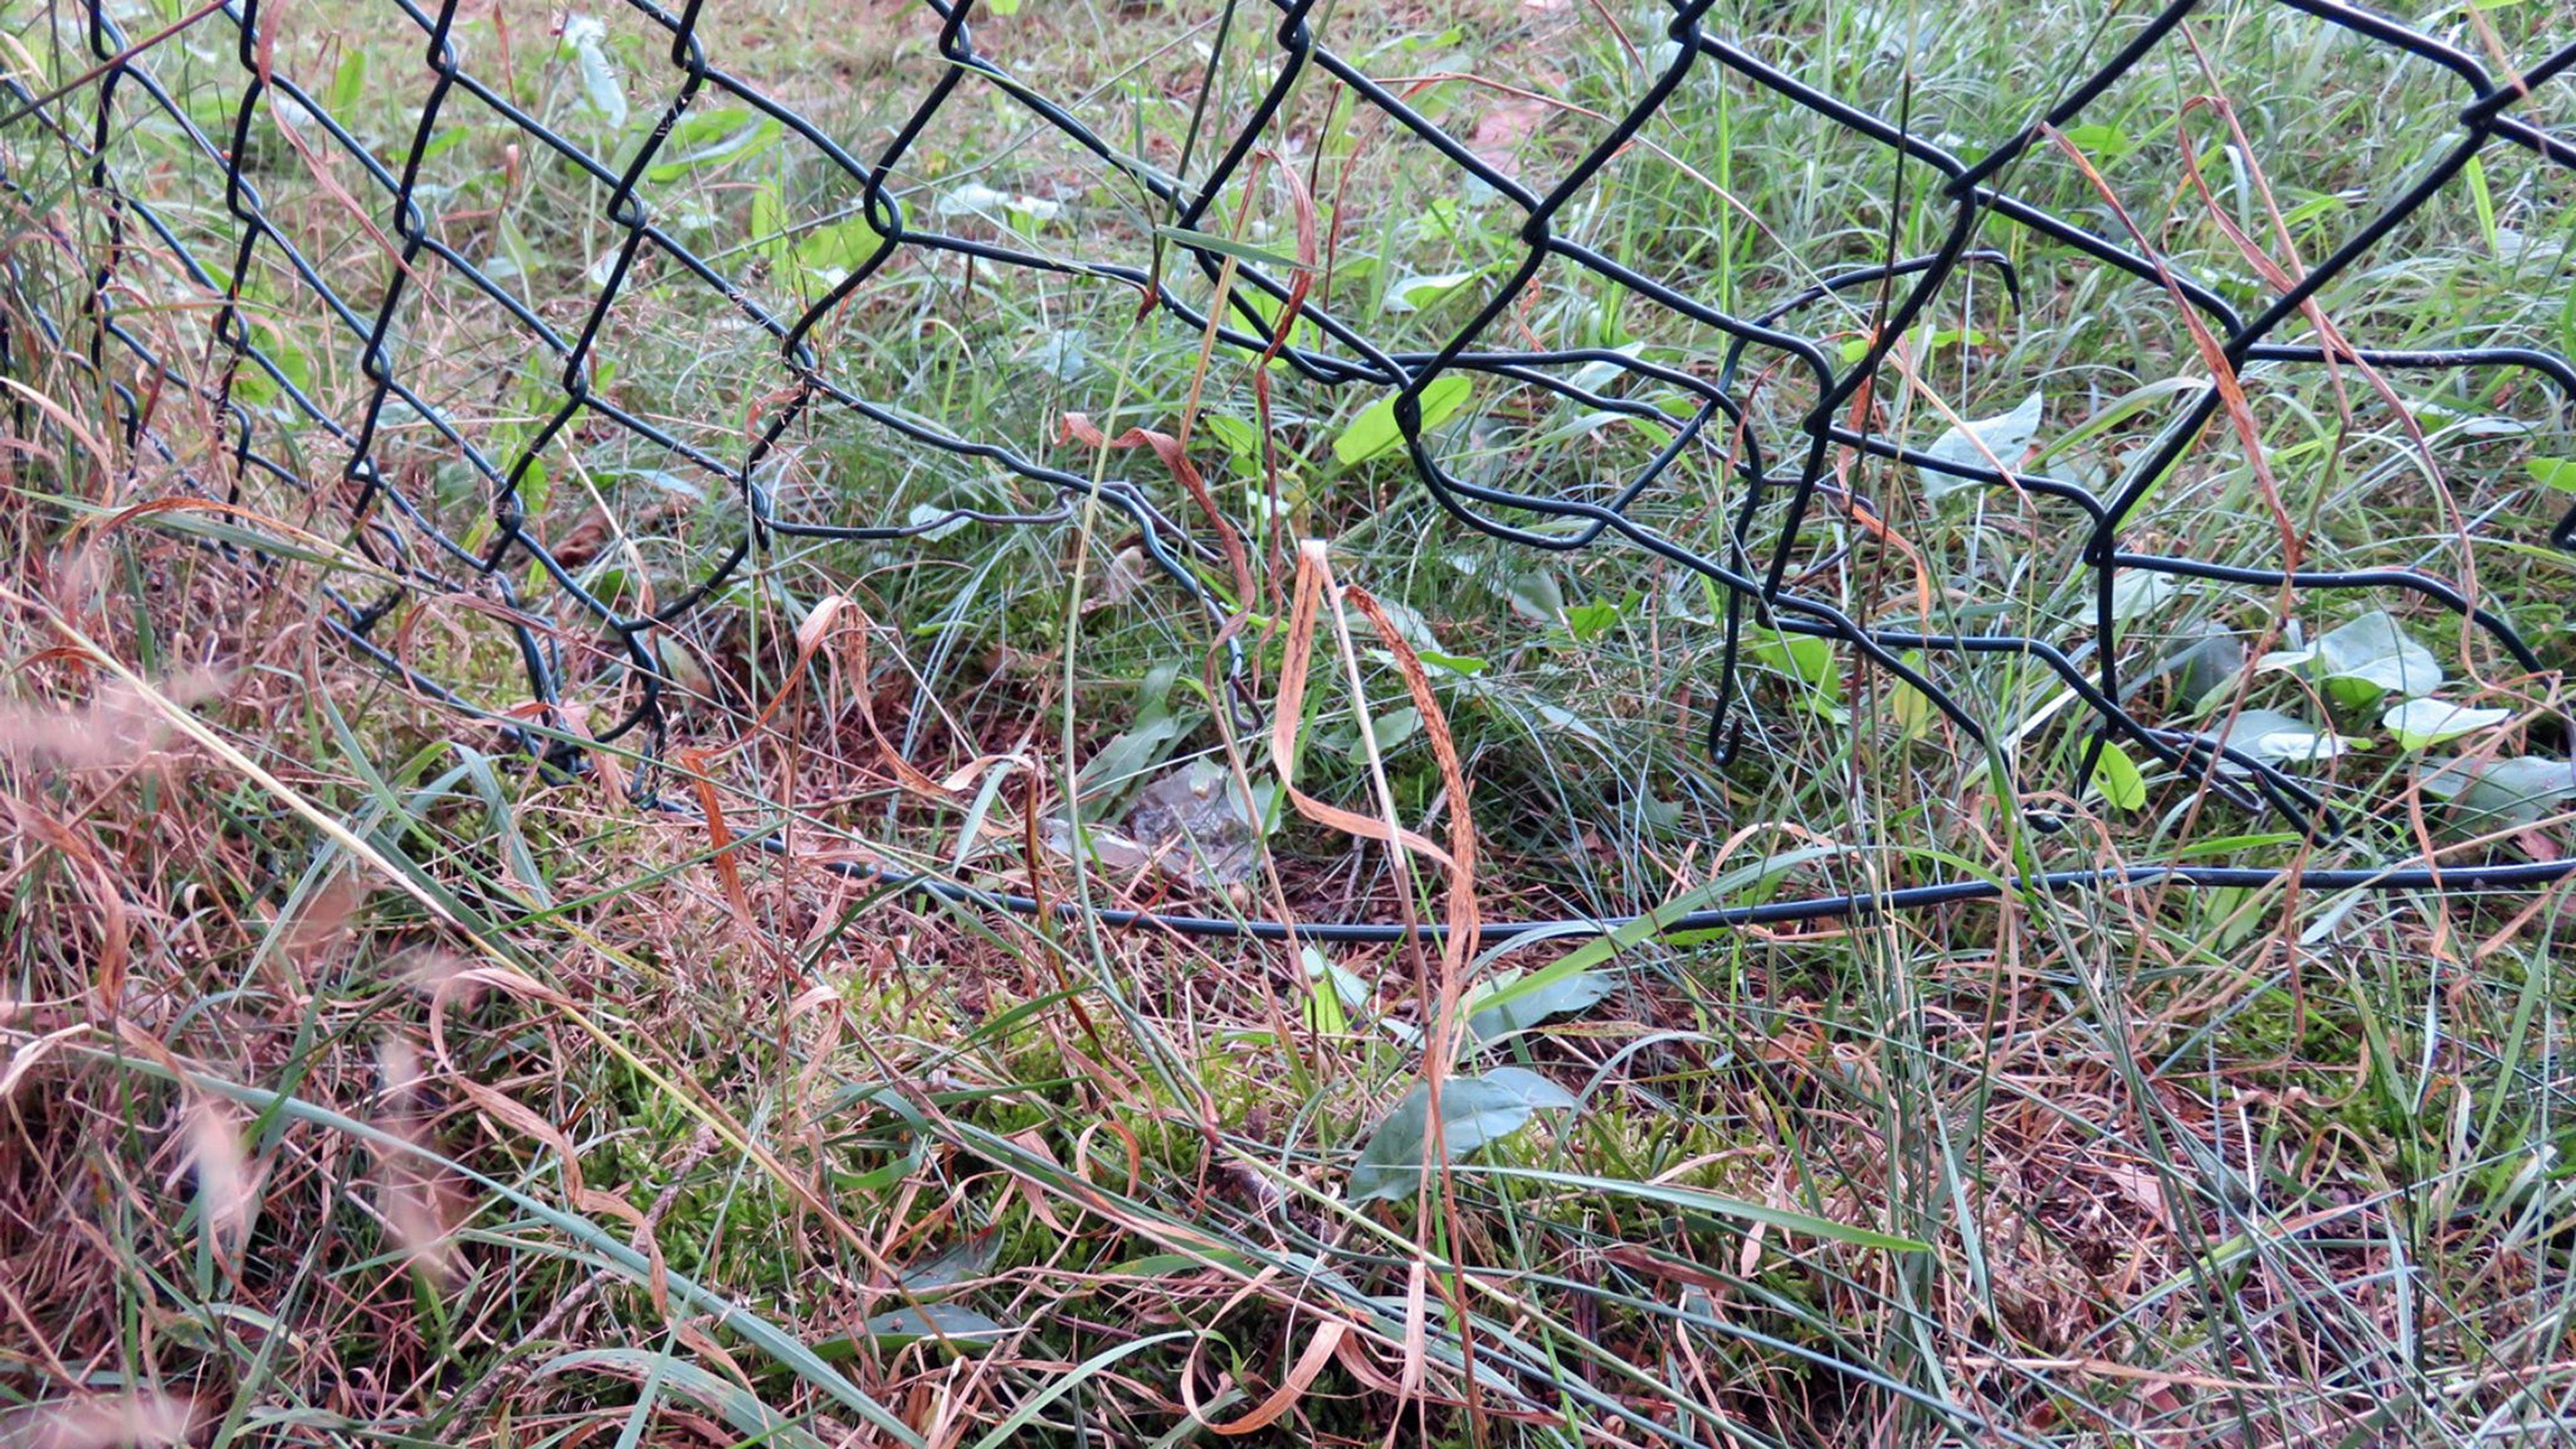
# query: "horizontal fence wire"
206,387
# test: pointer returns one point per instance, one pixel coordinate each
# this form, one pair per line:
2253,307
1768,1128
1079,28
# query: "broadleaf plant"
1473,1112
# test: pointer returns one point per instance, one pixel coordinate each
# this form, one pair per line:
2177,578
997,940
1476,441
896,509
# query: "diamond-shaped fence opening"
298,268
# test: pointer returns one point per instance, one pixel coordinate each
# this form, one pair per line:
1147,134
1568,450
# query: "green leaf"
1913,708
514,845
768,230
2511,794
1804,658
1122,763
1331,990
1558,717
535,489
2117,777
836,249
2107,143
1528,1088
2268,734
2119,410
2483,199
511,254
2230,844
1465,666
1374,430
1389,730
2137,592
1473,1112
1629,936
1242,441
2558,473
1518,1013
1226,246
1166,1265
1588,622
348,83
2372,652
963,1326
1407,624
2422,723
1267,307
2203,667
602,93
234,535
1587,424
1537,596
968,1258
712,138
671,483
2006,436
1412,294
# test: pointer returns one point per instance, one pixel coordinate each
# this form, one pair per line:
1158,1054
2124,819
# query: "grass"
367,1081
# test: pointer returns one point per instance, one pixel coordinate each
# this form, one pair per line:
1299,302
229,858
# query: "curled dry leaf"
1498,135
324,922
1314,583
1320,1349
1119,580
118,727
419,1215
398,1064
227,1182
419,1209
1079,428
431,971
138,1420
32,1052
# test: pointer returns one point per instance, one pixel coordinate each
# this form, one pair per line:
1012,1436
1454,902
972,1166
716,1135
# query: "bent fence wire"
172,322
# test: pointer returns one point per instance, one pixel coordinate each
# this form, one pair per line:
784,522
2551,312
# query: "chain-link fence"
186,242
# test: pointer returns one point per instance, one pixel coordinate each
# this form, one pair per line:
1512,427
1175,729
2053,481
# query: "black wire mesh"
179,327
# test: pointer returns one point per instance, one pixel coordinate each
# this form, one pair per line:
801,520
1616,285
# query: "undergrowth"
378,1068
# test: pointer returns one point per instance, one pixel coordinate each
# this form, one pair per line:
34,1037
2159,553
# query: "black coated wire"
399,530
2453,880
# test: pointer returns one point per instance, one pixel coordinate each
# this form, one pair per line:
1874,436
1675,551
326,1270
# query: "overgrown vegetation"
365,1078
